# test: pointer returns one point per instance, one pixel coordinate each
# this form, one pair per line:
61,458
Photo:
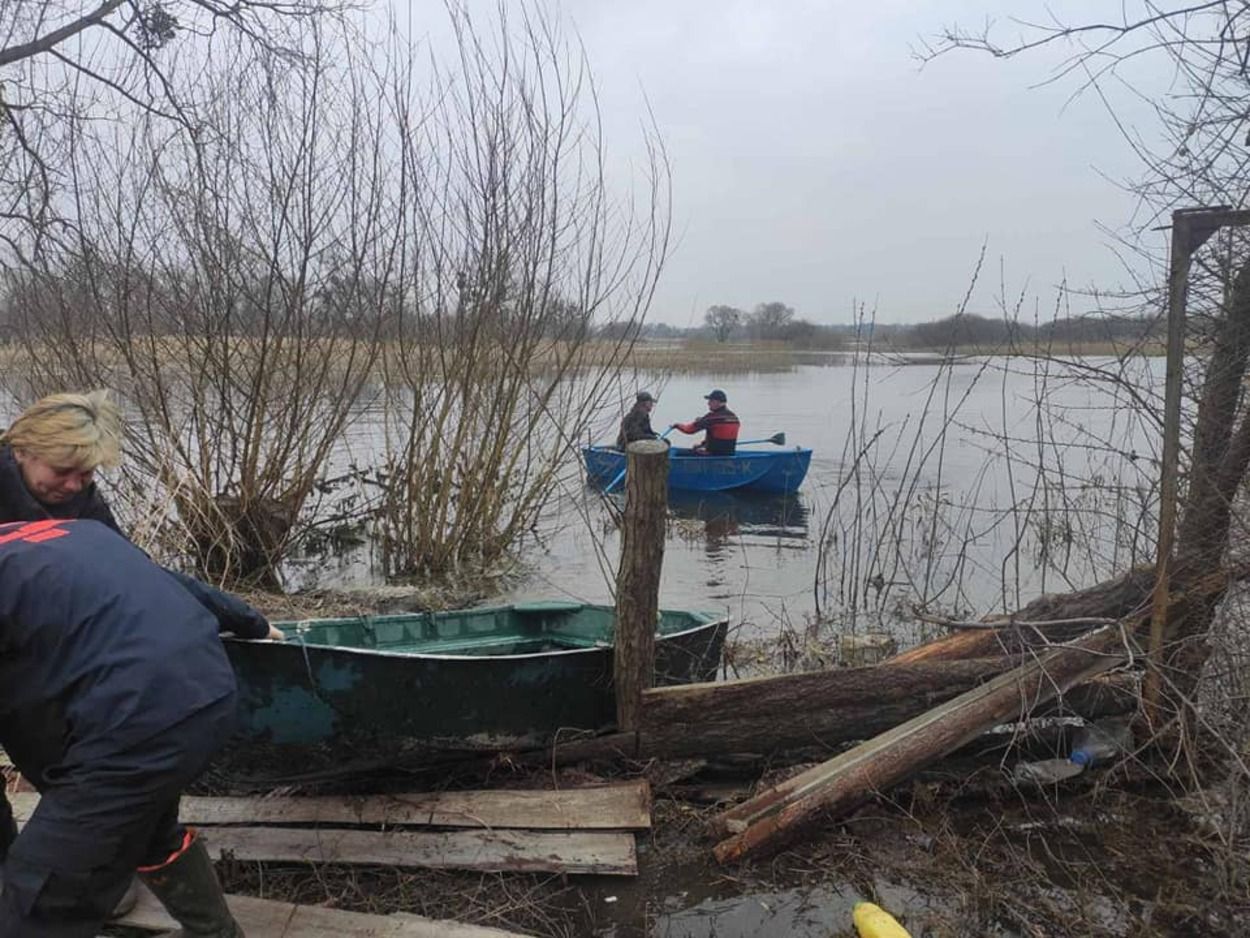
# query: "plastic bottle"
1047,771
1097,742
872,921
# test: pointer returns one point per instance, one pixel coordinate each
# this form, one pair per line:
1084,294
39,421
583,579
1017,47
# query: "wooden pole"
638,579
1178,289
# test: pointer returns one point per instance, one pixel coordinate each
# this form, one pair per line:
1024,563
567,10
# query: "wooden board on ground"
598,852
604,807
264,918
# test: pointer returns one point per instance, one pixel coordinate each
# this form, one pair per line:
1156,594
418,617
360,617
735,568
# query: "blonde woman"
48,460
49,456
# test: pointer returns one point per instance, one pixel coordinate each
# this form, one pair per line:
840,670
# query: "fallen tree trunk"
782,695
852,777
825,709
1112,599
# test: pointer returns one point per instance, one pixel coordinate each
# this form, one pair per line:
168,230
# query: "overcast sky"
816,162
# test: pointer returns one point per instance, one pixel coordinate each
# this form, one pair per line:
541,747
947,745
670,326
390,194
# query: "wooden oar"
620,475
778,439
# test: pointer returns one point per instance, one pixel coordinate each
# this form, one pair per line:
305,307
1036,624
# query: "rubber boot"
187,885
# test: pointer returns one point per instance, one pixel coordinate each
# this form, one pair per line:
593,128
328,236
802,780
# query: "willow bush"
345,223
230,284
516,254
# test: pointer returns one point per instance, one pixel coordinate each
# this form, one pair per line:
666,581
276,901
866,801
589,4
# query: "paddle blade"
778,438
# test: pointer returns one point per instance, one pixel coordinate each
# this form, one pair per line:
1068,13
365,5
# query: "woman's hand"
276,634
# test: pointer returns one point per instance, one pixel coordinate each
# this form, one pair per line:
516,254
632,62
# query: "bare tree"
338,230
769,320
723,320
513,249
232,288
1194,154
66,68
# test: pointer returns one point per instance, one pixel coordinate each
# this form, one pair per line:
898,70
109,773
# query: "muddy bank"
961,852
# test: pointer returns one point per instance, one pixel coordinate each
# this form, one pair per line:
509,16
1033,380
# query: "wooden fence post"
638,578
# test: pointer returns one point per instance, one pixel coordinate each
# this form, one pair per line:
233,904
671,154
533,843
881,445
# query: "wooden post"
1190,230
638,579
1178,289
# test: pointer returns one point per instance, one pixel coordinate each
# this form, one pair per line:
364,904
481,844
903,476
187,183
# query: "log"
638,579
674,729
847,780
1126,595
824,709
779,696
1111,599
954,647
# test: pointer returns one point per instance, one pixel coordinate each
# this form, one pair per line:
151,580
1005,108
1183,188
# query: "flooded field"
968,487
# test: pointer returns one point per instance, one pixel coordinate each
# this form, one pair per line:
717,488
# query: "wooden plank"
626,806
848,779
597,852
264,918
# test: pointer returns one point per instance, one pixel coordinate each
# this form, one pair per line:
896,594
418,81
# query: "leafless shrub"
232,287
67,69
513,250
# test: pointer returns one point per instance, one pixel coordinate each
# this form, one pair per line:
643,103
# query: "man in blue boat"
637,423
100,641
719,425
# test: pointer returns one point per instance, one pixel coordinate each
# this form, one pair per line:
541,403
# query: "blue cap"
717,395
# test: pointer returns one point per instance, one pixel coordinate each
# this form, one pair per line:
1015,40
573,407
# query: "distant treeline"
778,322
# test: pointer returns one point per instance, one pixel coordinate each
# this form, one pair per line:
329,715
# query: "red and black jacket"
721,428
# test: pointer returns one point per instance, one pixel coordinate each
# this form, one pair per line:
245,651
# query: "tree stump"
638,578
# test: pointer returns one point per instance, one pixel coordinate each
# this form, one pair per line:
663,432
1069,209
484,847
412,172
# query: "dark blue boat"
777,471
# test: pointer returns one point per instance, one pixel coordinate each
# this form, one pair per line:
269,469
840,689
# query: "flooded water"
966,488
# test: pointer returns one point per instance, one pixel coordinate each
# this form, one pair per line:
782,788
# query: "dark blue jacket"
89,624
18,504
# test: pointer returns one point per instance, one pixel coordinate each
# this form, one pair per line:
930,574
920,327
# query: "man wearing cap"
637,423
720,426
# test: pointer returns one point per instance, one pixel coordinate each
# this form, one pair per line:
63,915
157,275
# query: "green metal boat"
492,677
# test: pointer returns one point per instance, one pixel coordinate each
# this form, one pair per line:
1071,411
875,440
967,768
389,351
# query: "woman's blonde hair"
69,431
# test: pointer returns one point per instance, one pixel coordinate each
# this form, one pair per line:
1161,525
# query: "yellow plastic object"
872,921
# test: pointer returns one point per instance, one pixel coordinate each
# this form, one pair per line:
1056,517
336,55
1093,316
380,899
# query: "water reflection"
723,519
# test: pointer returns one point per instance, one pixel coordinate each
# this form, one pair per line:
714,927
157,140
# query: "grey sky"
815,162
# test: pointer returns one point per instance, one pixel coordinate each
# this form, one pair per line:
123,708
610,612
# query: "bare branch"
50,41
